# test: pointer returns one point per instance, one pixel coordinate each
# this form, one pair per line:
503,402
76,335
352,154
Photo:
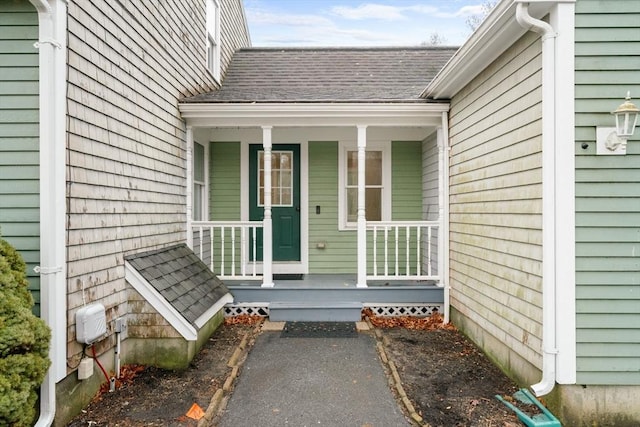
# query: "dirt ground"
448,380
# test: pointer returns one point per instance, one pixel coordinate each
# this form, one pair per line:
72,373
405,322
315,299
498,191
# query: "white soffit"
312,114
492,38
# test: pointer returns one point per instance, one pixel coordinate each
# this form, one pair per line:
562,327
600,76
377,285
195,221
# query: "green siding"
224,181
19,127
339,256
406,180
607,197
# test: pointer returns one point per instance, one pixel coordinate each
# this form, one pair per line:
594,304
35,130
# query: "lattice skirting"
397,310
383,310
231,310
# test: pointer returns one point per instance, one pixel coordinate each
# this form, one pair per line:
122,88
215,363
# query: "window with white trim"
377,183
199,187
213,38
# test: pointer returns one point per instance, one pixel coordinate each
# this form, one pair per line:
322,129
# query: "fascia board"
492,38
213,310
314,114
158,302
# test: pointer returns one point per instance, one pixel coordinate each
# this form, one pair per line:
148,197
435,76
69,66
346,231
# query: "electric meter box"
91,323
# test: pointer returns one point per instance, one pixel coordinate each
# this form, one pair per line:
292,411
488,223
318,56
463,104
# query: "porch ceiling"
312,114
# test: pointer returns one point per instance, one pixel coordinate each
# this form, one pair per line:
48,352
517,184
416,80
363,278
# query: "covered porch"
333,170
344,260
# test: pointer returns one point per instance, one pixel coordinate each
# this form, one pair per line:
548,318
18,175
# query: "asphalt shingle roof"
181,278
328,75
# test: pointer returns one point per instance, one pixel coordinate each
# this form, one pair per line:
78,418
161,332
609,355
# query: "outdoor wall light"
614,140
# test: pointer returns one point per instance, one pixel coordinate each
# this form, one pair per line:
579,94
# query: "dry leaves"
243,319
435,321
127,374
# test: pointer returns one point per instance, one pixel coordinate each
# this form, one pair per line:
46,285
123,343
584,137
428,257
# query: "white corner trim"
213,310
562,19
158,302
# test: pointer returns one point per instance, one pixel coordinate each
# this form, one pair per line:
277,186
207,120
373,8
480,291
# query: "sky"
286,23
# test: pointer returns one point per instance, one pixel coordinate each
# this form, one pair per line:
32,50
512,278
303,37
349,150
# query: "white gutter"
52,137
557,193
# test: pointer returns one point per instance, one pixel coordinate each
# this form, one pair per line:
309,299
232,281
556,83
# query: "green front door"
285,198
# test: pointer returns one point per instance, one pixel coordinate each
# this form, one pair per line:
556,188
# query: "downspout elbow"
530,23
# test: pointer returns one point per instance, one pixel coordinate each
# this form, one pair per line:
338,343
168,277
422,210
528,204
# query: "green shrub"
24,343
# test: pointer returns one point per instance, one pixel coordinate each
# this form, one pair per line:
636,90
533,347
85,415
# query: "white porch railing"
229,248
397,250
403,250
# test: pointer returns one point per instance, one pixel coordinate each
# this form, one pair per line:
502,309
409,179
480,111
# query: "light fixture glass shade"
626,118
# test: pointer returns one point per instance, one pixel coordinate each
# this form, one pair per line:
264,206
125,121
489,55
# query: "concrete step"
317,311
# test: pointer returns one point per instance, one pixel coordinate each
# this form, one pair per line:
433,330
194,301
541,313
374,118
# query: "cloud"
369,11
260,17
464,11
425,10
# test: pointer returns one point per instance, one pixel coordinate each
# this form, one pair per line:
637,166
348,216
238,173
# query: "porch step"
305,311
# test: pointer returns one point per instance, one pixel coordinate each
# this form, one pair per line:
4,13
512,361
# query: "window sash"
377,183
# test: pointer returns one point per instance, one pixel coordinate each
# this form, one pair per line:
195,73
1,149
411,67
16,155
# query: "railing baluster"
233,250
386,251
429,250
375,250
418,247
407,255
396,239
211,243
255,255
243,250
222,232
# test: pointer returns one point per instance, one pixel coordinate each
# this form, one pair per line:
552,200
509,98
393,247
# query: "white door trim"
289,267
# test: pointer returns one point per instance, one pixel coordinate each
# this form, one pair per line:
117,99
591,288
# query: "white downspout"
52,138
549,338
443,213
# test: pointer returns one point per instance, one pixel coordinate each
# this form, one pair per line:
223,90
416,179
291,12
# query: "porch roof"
328,75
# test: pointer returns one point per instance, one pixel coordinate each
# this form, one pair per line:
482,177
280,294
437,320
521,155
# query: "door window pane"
281,181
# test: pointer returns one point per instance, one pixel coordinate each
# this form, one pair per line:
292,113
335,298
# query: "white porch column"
267,227
362,219
189,186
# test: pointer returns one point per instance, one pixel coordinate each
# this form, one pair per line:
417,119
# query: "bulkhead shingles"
181,278
328,75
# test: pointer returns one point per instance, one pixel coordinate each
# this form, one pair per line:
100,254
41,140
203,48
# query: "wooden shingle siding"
607,197
129,64
495,202
232,33
19,129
